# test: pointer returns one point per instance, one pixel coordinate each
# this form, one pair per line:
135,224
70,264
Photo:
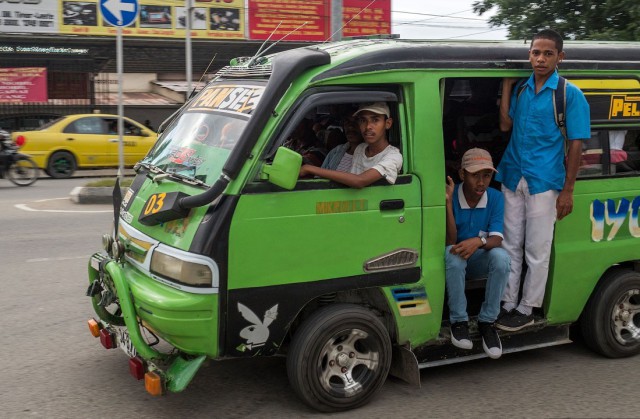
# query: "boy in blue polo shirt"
537,179
474,235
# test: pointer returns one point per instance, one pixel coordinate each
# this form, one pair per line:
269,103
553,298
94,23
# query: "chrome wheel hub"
346,362
626,318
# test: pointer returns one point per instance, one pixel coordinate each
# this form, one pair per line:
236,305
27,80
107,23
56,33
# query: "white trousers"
528,229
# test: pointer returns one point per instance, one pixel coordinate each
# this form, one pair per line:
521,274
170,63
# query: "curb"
93,195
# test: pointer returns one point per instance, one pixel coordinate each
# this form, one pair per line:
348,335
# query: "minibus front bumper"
121,328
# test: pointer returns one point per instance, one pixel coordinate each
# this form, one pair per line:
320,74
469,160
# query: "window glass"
610,152
327,135
90,125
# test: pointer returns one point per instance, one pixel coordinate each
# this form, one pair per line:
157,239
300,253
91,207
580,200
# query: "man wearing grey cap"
374,159
474,235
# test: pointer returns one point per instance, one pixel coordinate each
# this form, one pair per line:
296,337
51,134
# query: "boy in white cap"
374,159
474,235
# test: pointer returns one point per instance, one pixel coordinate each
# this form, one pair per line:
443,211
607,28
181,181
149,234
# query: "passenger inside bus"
374,159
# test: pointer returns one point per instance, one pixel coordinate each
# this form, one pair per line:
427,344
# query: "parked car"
84,141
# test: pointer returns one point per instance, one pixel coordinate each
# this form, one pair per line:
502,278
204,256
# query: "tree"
605,20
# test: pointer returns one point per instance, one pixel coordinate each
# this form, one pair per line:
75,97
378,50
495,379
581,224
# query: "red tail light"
106,339
20,140
136,367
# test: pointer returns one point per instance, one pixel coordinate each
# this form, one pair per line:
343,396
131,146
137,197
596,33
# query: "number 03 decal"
155,203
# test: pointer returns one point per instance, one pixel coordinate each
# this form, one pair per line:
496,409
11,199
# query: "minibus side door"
289,247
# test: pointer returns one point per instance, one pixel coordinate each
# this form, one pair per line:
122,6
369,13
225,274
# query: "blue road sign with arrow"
119,12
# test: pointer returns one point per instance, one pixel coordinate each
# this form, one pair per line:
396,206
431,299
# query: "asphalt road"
51,367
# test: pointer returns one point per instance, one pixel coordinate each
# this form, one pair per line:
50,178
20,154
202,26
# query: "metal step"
539,335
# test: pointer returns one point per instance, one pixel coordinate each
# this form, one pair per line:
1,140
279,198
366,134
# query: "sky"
441,19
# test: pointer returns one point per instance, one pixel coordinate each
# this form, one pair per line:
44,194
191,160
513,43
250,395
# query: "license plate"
95,263
124,342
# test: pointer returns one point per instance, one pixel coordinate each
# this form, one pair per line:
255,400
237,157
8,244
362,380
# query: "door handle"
391,204
113,140
70,139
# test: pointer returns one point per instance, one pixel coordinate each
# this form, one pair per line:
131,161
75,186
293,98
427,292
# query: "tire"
23,171
338,341
61,165
610,324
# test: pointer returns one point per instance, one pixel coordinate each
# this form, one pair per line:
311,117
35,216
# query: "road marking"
25,207
57,259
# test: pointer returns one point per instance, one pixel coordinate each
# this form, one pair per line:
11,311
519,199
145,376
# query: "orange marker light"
153,383
94,327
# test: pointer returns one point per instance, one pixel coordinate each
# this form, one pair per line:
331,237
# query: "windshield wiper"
186,179
153,171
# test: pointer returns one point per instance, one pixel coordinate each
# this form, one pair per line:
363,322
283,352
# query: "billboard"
222,19
298,20
24,84
32,16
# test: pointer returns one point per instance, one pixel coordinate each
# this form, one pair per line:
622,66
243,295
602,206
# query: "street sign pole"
119,13
188,21
120,104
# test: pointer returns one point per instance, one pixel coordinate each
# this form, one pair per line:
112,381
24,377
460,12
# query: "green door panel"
303,236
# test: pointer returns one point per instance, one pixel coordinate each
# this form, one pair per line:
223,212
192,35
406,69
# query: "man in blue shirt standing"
537,187
474,234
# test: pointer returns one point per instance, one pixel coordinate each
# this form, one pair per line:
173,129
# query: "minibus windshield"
196,145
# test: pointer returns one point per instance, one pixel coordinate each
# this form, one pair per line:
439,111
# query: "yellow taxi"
84,141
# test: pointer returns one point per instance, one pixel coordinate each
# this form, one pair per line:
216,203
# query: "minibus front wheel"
610,324
339,358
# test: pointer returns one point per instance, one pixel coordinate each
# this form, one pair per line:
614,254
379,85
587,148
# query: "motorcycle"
15,166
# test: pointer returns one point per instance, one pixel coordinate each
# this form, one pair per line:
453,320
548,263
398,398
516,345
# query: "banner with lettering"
364,17
23,84
298,20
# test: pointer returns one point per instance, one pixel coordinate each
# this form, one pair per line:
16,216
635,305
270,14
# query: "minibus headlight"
188,273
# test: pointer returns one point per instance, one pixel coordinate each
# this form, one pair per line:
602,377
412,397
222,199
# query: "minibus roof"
368,55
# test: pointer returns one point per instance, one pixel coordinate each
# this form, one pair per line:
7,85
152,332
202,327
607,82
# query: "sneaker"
490,340
514,321
503,312
460,335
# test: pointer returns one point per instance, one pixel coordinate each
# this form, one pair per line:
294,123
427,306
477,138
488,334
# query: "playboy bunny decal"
258,332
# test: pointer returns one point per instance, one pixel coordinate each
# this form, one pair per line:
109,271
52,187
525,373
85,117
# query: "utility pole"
336,20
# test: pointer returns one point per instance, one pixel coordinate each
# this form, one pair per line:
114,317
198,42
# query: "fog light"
153,383
117,250
136,367
94,327
106,339
107,242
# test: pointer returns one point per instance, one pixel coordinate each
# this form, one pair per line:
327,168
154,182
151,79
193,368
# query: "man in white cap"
474,235
374,159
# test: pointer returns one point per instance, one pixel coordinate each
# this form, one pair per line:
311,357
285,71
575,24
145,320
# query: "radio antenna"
353,17
193,92
257,54
275,43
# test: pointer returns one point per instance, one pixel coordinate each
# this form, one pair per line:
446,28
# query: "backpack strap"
560,105
520,87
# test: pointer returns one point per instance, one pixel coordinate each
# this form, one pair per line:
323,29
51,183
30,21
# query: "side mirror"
284,170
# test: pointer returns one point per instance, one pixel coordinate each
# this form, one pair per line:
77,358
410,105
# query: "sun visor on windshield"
233,98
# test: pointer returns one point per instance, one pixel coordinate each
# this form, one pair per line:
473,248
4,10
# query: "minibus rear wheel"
339,358
611,321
